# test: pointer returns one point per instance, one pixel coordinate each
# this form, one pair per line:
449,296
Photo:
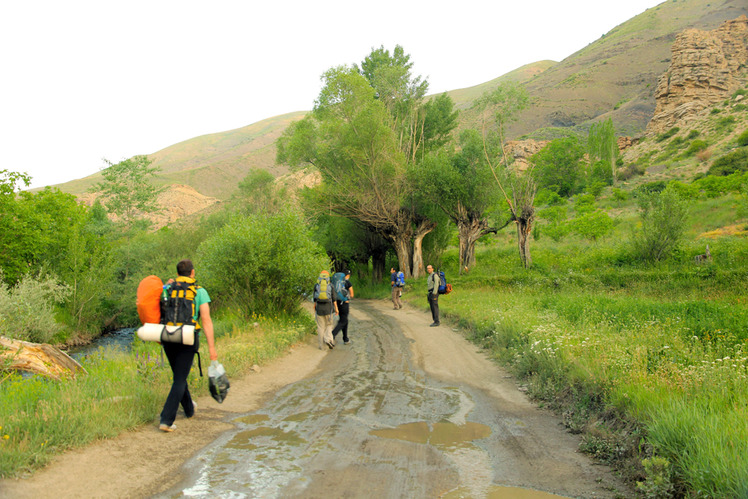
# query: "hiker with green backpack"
324,306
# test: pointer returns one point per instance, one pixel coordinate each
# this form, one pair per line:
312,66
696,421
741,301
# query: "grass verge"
40,418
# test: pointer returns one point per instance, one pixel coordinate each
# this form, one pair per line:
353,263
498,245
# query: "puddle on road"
498,492
444,435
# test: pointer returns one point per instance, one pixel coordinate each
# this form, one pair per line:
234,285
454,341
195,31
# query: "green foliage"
27,310
593,225
725,124
663,217
666,135
258,193
127,188
658,482
696,146
735,161
547,197
261,264
584,203
692,134
557,166
602,148
619,195
713,186
743,139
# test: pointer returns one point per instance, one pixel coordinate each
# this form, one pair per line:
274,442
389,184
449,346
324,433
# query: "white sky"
86,80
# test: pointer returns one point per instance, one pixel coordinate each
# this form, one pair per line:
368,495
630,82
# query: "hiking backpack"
400,279
148,299
338,280
178,304
444,287
323,289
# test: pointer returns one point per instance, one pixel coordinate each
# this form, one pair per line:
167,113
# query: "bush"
261,264
27,310
666,135
743,139
663,217
697,145
735,161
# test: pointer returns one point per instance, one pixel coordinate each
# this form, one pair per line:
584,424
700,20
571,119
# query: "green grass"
645,360
40,418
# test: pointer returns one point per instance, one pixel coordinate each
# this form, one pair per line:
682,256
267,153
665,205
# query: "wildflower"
6,437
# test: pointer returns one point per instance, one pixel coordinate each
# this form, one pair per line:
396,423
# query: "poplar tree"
602,145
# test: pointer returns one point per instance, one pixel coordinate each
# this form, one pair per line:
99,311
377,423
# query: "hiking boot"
435,324
330,344
166,427
346,342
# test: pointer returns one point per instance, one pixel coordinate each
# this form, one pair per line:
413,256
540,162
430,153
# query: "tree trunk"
424,227
401,243
470,230
38,358
378,260
524,228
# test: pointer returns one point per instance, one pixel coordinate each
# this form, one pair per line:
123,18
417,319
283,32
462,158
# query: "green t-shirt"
200,298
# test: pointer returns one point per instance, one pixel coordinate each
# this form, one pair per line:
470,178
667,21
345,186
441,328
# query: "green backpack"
323,289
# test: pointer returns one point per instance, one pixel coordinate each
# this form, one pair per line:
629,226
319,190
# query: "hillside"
615,76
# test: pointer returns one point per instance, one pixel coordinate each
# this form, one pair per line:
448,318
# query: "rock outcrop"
706,68
521,150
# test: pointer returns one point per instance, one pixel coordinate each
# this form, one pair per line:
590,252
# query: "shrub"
593,225
262,264
743,139
663,223
732,162
693,134
697,145
666,135
27,309
620,195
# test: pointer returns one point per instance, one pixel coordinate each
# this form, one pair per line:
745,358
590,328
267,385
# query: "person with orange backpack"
184,302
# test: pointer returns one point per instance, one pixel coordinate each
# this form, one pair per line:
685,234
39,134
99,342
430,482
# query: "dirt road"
405,410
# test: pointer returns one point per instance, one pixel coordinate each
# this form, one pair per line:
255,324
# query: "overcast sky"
86,80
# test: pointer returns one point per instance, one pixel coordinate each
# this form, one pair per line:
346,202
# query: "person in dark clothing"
432,284
181,356
343,310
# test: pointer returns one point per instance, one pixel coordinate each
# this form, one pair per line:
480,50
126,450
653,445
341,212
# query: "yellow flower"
6,437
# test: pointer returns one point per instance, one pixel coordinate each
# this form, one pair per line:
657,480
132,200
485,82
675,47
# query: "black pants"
180,359
342,325
433,299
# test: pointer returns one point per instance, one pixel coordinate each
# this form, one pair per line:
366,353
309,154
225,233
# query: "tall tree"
503,105
557,165
462,186
127,189
602,145
368,128
348,137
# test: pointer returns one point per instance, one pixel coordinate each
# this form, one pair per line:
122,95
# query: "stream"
121,339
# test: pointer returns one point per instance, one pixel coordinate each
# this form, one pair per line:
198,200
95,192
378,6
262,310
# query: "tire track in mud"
403,411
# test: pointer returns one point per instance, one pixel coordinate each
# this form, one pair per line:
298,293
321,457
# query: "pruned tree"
369,126
503,105
461,184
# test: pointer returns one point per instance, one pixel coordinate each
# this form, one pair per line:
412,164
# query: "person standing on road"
395,290
432,285
181,356
343,300
324,306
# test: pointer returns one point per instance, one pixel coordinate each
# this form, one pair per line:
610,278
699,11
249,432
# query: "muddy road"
404,410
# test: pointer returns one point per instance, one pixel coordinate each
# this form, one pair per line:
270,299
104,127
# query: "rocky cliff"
706,68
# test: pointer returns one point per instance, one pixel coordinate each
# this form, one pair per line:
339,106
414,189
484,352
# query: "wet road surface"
404,410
